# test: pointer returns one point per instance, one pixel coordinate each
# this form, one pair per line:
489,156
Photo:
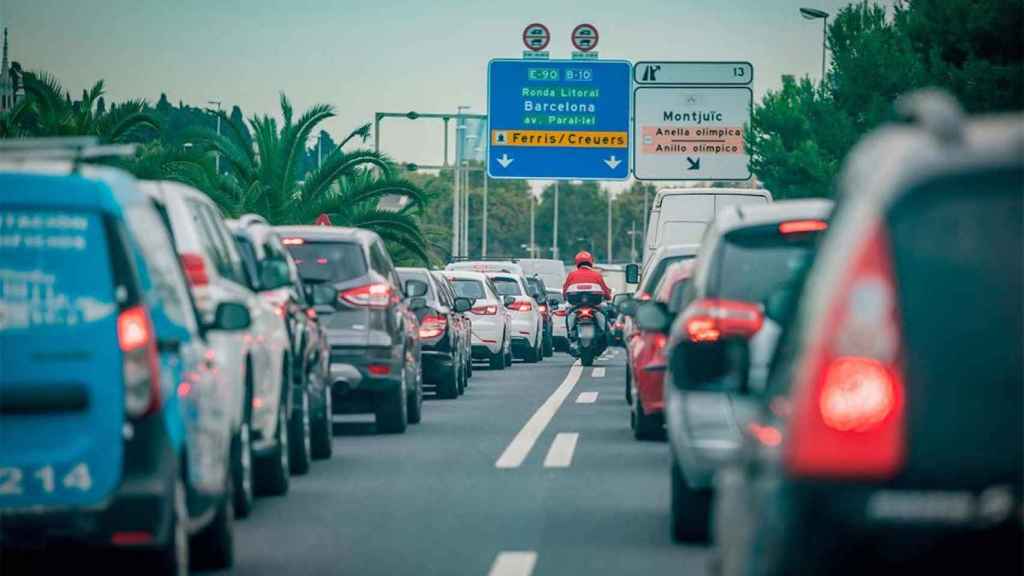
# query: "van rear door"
61,391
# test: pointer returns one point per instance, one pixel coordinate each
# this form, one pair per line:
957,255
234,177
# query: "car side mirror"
462,304
231,317
415,288
628,307
417,303
632,274
508,301
653,316
274,274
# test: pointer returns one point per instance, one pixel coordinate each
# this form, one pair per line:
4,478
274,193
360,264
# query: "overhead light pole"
216,103
815,14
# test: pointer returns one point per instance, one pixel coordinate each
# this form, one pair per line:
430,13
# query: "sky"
373,56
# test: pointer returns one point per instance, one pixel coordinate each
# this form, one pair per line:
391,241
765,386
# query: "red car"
645,369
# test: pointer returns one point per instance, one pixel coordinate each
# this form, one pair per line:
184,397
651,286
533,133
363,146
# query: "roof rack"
935,111
76,149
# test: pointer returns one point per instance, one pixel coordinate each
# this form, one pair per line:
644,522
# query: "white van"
552,272
680,215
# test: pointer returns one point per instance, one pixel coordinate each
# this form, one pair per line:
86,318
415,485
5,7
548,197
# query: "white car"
527,322
486,266
559,311
492,326
255,361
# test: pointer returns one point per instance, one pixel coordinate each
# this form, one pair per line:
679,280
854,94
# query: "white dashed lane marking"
598,373
586,398
562,448
519,448
514,563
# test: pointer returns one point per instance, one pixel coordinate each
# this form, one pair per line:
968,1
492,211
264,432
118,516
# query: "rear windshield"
467,288
654,275
405,275
249,261
54,270
329,261
507,286
750,267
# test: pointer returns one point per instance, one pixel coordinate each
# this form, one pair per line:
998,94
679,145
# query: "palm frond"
362,132
340,164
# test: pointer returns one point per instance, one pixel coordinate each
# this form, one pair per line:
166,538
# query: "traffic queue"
163,366
840,384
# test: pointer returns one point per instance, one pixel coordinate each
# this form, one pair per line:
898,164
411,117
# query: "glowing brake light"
710,319
489,310
848,397
141,373
801,226
293,241
194,266
311,313
377,295
543,308
524,306
561,313
433,326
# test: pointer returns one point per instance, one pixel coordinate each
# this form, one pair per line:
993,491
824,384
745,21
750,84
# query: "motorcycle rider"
584,274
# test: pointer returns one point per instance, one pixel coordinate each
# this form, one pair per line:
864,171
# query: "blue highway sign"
559,119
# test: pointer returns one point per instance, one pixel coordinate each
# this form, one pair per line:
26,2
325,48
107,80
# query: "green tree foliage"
582,224
801,132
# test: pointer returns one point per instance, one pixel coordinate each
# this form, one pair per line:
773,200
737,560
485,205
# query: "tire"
273,471
629,384
243,483
549,345
645,426
533,354
301,436
690,509
586,357
469,368
213,548
415,408
498,359
392,410
461,372
508,354
173,557
448,388
323,428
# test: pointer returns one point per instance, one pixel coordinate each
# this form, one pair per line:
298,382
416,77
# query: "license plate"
586,331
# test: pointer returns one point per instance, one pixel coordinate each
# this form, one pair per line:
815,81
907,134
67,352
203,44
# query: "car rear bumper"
521,345
650,390
354,384
436,365
141,506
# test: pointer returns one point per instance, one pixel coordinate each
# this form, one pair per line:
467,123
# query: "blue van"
112,433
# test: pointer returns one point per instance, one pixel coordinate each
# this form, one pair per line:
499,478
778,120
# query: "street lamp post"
815,14
216,160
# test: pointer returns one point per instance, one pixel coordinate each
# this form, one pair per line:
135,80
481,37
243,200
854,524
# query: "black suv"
374,362
273,274
442,349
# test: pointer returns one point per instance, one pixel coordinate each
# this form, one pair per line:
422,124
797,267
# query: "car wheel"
469,368
533,354
173,557
448,388
392,410
242,467
460,371
691,509
323,431
498,360
213,548
415,408
508,353
645,426
629,384
586,357
272,471
302,437
549,345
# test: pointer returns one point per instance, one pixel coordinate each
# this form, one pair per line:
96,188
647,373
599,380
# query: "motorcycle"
590,333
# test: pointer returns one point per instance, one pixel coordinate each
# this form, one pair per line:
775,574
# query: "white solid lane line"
513,563
562,448
586,398
519,448
598,373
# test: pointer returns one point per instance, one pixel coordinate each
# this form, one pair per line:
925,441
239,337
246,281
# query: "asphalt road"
450,497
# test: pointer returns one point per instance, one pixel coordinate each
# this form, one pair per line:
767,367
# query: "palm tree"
48,111
266,177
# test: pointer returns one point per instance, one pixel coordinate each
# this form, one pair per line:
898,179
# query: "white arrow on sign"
504,160
612,162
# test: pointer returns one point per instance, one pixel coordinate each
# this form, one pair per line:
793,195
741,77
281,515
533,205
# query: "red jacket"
586,275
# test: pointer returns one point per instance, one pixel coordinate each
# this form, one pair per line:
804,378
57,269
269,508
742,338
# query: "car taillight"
377,295
543,309
137,341
643,296
292,241
802,226
489,310
585,312
311,313
432,326
710,319
195,269
521,306
561,313
848,401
